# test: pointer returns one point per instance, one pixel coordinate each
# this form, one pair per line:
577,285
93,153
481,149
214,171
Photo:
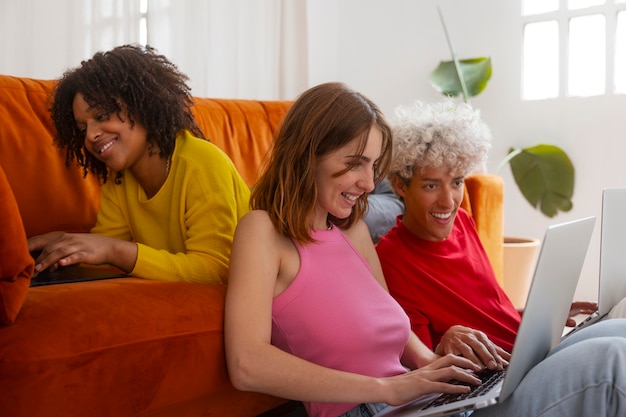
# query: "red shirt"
446,283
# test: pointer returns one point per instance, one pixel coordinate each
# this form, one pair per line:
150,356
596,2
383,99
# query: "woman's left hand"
580,307
62,249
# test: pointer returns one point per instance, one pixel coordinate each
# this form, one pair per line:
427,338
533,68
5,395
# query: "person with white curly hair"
441,134
437,269
467,141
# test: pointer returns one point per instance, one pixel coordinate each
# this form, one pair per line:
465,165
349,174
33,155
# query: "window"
114,22
143,22
573,48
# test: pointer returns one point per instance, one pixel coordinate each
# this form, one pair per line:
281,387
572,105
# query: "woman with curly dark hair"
175,199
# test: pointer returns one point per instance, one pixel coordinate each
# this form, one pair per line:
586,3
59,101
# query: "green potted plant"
543,173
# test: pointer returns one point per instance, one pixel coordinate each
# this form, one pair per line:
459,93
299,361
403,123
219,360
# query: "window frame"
610,10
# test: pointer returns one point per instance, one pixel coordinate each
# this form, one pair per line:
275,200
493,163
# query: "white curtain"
41,38
253,49
234,48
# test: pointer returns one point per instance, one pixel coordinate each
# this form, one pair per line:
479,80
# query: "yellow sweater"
185,231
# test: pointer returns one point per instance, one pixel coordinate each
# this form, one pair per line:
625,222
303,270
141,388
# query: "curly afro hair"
132,78
438,134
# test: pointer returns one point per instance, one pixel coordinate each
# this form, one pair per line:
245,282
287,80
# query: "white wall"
387,48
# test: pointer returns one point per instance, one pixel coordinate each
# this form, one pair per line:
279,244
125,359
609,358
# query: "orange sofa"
125,347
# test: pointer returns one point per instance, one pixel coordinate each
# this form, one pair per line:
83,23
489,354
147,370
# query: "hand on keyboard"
473,345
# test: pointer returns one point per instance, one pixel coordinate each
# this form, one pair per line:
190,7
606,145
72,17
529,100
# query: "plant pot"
519,259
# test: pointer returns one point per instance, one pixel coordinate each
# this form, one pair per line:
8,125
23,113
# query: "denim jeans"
365,410
369,410
584,375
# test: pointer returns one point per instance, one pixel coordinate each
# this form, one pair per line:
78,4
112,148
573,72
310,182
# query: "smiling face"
337,194
431,200
116,142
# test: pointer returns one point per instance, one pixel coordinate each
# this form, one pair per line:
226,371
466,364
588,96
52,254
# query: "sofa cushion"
244,129
121,347
16,264
50,195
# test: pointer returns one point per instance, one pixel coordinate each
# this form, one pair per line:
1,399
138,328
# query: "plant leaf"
476,73
545,176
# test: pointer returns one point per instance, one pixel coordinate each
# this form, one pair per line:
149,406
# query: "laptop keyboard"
488,377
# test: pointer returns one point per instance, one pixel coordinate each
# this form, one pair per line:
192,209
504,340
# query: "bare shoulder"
359,234
260,251
256,223
257,230
361,239
256,217
255,247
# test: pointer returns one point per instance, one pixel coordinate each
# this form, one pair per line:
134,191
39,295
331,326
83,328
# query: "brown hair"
322,119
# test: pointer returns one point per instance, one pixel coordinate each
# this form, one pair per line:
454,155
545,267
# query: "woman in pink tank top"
308,314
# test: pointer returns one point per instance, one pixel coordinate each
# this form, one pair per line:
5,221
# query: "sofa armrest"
484,200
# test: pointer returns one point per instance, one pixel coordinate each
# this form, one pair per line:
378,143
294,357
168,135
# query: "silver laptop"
612,277
555,279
